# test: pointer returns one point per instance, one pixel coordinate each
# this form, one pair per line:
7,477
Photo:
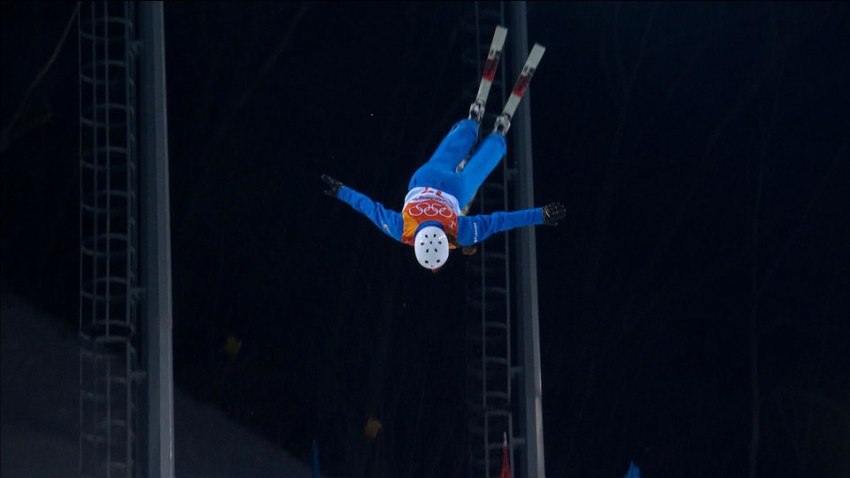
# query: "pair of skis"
503,121
521,85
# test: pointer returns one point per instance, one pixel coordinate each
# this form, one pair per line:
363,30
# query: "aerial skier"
433,218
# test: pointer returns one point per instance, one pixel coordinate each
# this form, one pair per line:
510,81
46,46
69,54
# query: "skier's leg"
489,153
451,151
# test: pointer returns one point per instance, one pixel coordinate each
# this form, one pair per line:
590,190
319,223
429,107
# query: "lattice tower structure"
109,294
489,387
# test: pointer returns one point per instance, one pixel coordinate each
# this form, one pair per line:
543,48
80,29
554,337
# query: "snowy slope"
39,417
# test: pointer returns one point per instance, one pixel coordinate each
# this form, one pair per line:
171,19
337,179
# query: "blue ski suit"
439,191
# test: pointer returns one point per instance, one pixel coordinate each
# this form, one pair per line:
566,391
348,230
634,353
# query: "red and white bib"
425,205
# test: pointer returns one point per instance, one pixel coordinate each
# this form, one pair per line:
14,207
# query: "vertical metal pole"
531,413
155,243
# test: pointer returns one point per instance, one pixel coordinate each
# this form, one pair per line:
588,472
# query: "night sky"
702,151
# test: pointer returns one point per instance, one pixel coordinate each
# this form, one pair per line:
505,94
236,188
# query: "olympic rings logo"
429,210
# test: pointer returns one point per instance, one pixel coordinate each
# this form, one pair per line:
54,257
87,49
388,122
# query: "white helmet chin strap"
431,246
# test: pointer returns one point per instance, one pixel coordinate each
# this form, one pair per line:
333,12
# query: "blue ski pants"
439,171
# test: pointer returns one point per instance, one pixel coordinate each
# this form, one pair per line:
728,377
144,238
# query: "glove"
553,212
333,185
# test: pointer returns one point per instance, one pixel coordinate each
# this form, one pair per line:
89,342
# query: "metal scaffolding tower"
108,241
503,386
488,280
126,426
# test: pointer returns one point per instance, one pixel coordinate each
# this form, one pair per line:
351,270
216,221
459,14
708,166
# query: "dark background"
701,150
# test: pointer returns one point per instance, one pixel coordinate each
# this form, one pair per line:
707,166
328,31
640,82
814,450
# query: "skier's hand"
333,185
553,212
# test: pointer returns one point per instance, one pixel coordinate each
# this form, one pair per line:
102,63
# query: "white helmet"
432,247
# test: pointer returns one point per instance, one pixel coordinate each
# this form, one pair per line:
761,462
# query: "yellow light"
372,428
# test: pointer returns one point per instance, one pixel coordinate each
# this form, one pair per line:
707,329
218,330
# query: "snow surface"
39,416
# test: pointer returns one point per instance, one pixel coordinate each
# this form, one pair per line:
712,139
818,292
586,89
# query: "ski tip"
536,54
499,36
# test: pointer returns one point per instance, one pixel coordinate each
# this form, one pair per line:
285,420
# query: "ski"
524,80
490,66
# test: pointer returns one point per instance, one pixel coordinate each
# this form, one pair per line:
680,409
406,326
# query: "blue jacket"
471,229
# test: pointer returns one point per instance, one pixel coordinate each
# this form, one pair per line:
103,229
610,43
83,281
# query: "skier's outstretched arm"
388,221
474,229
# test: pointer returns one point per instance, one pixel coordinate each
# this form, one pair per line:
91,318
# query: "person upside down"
431,219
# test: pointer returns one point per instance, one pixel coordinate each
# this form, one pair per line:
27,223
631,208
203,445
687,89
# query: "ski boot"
476,111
